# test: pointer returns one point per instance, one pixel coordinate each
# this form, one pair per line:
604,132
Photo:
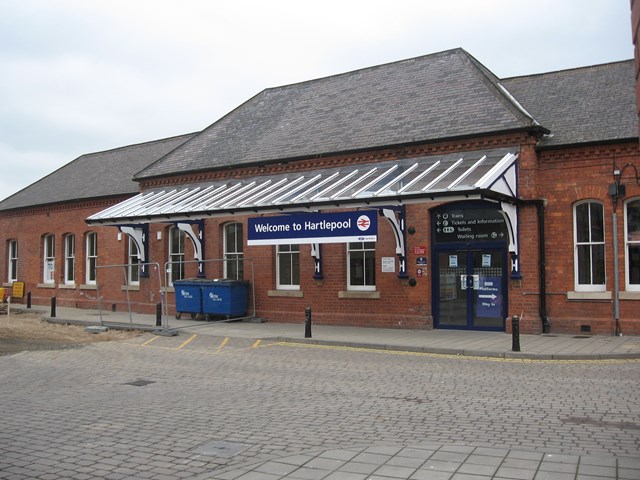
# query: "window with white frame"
69,259
233,264
176,254
361,261
13,261
288,267
632,244
133,259
589,259
49,258
92,258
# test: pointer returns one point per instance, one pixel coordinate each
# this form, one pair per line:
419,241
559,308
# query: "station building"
425,193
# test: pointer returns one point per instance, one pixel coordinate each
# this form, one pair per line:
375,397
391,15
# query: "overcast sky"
81,76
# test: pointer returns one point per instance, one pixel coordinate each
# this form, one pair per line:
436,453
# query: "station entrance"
469,252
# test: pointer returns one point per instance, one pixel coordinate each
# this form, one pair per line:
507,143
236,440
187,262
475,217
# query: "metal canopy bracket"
396,216
197,239
316,253
140,236
510,214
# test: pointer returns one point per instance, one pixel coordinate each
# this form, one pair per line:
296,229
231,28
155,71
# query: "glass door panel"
487,304
452,295
470,289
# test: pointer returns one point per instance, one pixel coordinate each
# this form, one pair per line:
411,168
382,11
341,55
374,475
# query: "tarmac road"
208,407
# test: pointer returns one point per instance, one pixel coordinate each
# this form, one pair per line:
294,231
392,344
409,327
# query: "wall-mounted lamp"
616,190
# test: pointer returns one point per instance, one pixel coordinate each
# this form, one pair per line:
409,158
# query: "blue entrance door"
470,289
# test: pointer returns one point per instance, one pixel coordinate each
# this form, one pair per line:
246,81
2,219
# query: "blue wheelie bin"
225,297
188,296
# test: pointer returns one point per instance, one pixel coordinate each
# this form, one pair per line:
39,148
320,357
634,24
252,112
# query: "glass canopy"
479,174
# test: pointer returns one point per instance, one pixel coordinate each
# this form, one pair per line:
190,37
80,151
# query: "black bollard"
53,307
158,314
28,299
515,334
307,322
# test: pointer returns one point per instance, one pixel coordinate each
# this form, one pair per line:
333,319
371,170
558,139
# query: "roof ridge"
159,140
365,69
565,70
500,92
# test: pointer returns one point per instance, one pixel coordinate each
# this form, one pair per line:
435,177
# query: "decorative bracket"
396,216
140,235
510,213
197,239
316,253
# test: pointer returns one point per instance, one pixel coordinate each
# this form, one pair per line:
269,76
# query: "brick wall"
560,177
567,176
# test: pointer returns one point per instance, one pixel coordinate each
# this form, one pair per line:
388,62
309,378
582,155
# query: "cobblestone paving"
191,406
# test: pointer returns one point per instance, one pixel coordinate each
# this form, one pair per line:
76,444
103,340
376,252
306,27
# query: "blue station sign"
341,227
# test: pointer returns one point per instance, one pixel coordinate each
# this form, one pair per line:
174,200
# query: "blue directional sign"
489,297
341,227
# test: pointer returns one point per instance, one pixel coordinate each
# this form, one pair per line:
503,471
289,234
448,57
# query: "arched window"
589,254
632,244
12,261
233,264
92,258
133,259
69,259
361,261
176,254
288,267
48,258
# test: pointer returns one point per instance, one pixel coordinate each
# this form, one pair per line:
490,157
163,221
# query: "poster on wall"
388,264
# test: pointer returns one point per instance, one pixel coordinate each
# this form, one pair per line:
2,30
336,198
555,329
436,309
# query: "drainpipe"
546,328
544,317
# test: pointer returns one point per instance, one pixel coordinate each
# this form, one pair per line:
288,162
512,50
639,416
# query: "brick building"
425,193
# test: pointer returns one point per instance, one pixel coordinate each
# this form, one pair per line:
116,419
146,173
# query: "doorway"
470,273
470,289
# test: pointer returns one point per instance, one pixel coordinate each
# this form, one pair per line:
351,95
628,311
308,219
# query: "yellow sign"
18,290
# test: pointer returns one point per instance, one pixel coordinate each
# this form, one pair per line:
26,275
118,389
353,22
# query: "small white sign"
453,261
388,264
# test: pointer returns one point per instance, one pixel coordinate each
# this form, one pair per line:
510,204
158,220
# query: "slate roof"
582,105
94,175
435,97
438,96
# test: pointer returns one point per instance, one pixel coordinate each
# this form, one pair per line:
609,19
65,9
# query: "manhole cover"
140,383
221,449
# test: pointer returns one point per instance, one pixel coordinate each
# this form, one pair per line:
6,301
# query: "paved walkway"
420,461
450,342
430,461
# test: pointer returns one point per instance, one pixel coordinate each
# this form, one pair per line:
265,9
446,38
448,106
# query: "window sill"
131,288
67,286
589,296
358,294
286,293
89,286
629,295
46,285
